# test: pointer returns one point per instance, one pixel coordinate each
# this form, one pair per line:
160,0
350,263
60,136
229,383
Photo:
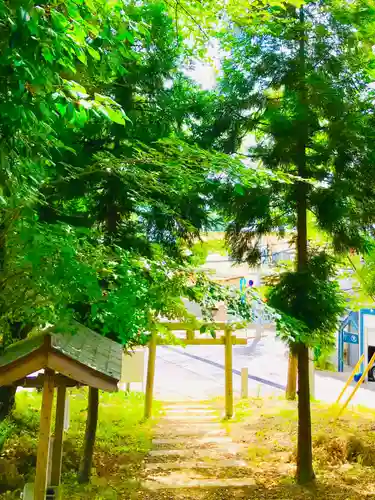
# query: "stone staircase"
191,450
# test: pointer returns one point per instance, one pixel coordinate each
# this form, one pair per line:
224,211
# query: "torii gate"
227,339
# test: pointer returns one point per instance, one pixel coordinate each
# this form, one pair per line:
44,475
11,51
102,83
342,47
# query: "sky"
205,73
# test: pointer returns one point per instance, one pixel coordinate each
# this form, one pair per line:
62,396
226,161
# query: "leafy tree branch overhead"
96,175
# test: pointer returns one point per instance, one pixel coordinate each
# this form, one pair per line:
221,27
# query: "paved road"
197,372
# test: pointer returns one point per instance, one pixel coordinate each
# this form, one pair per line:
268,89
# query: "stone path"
192,450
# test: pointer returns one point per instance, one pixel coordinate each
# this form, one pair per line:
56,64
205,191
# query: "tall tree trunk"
291,387
90,435
17,331
305,472
7,400
7,393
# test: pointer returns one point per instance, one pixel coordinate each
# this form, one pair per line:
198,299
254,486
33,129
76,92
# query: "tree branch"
190,16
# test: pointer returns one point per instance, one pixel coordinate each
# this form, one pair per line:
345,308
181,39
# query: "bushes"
123,438
338,450
322,360
10,475
6,429
17,461
17,449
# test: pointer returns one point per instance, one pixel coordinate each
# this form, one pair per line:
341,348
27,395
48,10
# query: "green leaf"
105,100
59,20
128,36
93,53
102,109
85,104
81,56
115,115
61,108
238,188
44,109
124,34
47,54
75,89
90,4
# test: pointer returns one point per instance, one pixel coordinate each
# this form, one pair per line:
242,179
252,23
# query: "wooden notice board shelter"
69,357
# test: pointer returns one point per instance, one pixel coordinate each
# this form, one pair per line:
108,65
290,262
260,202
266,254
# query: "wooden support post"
44,437
59,436
311,374
244,383
190,335
291,388
150,375
67,414
90,435
228,374
49,466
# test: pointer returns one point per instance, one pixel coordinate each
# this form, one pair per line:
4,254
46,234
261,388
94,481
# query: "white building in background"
273,250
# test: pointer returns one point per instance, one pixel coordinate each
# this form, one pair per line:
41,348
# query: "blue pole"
361,338
340,364
242,288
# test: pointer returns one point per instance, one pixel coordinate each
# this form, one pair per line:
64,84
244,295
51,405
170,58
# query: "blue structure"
348,327
242,288
352,332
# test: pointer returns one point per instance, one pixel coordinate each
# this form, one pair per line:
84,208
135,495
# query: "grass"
344,458
123,439
203,248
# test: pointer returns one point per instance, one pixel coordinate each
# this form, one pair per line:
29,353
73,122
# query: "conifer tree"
297,82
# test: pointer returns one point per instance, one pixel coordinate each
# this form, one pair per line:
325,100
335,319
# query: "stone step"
192,431
175,481
231,449
189,411
191,405
187,401
190,418
198,441
197,464
165,425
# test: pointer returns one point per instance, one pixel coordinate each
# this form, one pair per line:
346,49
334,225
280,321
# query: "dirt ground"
344,455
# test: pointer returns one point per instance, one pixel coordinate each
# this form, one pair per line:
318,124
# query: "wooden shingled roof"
76,352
